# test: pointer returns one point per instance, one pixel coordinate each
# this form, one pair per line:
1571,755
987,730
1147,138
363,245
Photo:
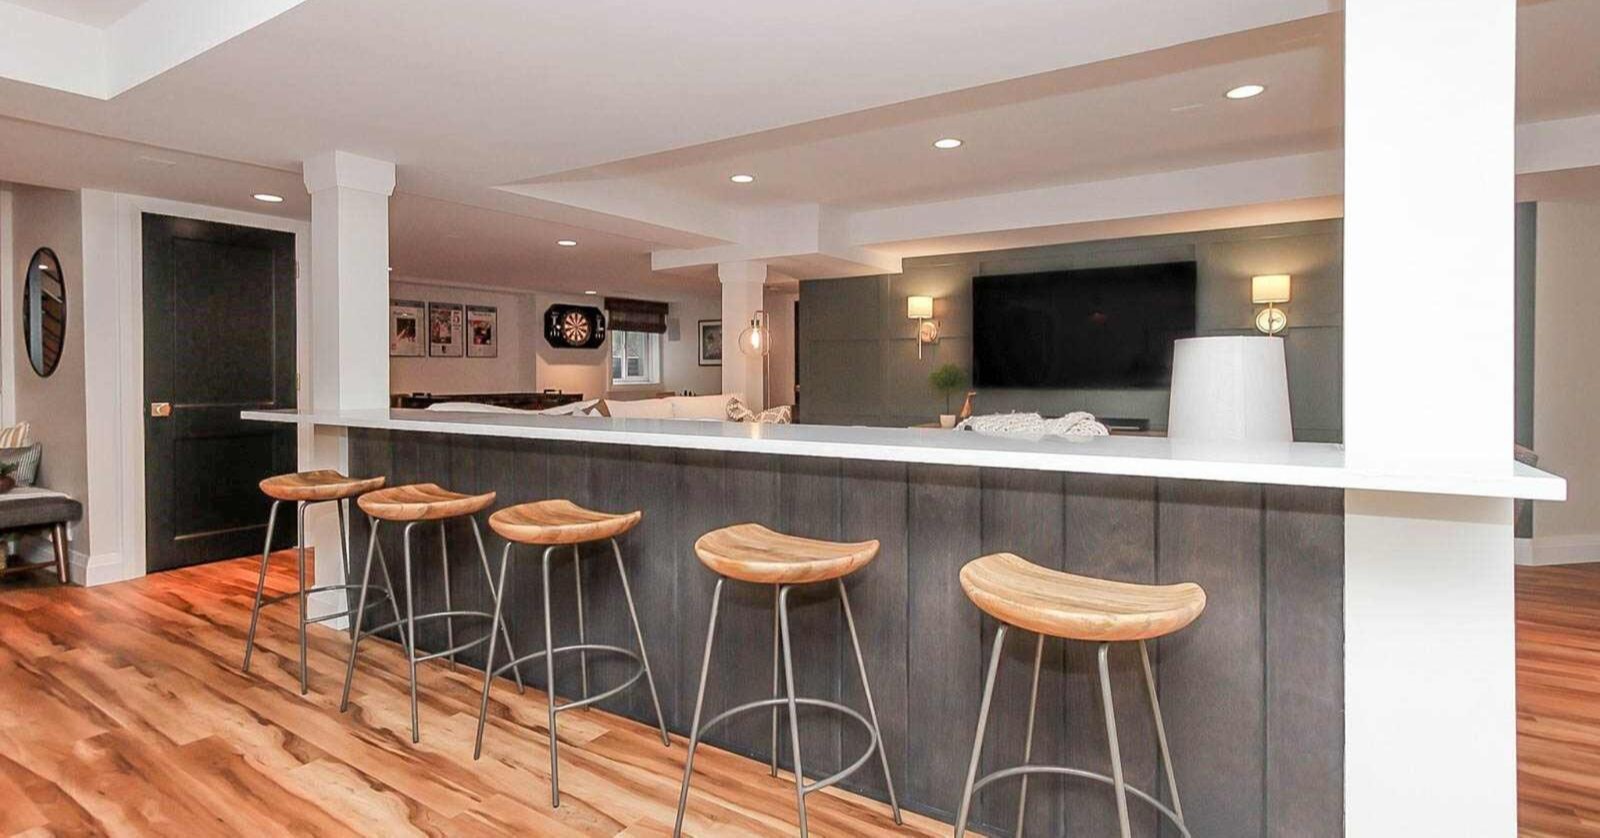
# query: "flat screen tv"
1108,328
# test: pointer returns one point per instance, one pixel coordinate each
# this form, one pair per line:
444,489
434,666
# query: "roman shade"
636,315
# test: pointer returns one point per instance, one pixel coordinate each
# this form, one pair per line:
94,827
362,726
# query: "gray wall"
858,352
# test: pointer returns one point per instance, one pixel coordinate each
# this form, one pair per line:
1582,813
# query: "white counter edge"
1296,464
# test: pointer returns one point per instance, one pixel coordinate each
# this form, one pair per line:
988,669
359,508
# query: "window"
635,358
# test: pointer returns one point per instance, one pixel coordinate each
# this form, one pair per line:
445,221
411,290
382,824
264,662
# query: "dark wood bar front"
1252,692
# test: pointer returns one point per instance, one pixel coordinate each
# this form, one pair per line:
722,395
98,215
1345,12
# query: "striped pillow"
27,461
15,436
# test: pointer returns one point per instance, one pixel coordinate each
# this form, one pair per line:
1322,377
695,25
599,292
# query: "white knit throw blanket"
1077,423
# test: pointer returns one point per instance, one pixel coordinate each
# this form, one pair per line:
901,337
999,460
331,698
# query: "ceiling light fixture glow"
268,198
590,293
1246,91
947,143
566,242
743,178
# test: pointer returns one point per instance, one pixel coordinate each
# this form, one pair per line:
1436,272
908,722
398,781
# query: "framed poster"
446,324
405,328
711,343
483,336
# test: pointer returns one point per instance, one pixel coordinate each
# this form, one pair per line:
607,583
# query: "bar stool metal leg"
1161,732
1111,738
411,632
583,655
699,704
777,658
300,556
361,610
638,634
1027,747
261,583
977,740
488,661
341,508
494,591
550,688
794,710
872,708
449,622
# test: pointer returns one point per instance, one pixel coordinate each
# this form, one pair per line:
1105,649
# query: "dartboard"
574,327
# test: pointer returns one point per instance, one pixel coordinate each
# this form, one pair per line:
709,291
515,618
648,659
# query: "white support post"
349,322
1430,678
743,294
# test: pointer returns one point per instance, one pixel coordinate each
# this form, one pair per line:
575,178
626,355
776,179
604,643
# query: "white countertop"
1292,464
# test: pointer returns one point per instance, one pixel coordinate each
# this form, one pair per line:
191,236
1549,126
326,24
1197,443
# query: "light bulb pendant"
757,338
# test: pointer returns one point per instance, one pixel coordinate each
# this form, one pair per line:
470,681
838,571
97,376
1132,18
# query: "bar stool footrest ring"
831,779
432,616
583,647
1017,771
374,590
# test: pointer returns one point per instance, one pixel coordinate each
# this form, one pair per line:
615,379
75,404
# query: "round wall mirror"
44,311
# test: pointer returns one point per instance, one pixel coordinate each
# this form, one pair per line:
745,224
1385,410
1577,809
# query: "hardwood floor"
1558,700
123,712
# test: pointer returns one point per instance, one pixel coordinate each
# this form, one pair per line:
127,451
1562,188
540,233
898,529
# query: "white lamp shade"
919,308
1272,288
1230,389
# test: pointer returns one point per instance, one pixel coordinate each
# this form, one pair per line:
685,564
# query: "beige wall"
1567,371
54,406
780,363
512,371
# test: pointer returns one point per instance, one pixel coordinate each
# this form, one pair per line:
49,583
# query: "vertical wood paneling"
1212,672
809,506
1022,514
1304,548
1110,533
943,633
873,505
1252,691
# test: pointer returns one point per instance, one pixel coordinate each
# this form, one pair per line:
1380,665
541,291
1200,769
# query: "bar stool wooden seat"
553,524
305,489
754,553
1051,603
417,505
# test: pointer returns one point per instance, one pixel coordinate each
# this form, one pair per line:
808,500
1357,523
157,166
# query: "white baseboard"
1558,549
99,569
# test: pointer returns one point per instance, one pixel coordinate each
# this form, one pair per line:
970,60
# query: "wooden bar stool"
415,505
305,489
753,553
553,524
1050,603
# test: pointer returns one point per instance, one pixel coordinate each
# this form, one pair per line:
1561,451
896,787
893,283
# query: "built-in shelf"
1289,464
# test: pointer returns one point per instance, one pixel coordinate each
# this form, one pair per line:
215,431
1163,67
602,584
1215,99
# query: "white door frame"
114,363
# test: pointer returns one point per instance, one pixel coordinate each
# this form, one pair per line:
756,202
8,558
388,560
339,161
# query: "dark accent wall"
858,352
1252,691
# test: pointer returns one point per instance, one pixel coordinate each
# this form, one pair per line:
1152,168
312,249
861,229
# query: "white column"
743,293
1430,688
349,321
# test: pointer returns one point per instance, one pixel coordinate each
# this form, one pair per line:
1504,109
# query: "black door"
218,338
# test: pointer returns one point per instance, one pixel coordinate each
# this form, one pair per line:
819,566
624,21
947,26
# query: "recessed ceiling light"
268,197
743,178
947,142
391,270
566,242
1245,91
590,293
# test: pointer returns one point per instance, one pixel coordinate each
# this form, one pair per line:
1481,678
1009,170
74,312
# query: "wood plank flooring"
123,712
1558,700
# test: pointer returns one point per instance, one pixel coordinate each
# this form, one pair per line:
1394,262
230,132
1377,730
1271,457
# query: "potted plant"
948,380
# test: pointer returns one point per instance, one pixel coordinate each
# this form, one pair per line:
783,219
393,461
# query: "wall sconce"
756,339
1270,290
920,309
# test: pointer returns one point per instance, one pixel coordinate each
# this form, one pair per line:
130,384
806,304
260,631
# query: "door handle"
160,410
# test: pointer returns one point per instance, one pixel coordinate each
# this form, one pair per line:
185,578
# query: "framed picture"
711,343
405,328
483,335
446,325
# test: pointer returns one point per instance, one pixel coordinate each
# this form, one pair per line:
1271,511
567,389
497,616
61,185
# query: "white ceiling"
96,13
616,123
